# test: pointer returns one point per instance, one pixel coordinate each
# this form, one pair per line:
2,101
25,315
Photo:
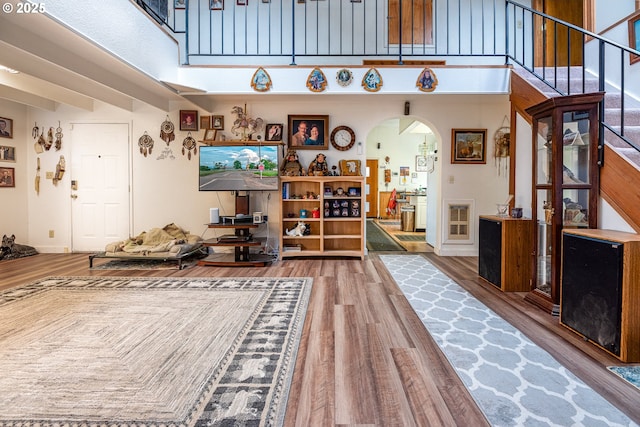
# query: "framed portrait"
242,2
205,122
216,4
634,36
7,154
469,146
6,127
309,132
179,4
188,120
7,177
273,132
217,122
209,136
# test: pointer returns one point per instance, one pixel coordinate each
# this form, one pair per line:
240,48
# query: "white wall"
14,199
166,190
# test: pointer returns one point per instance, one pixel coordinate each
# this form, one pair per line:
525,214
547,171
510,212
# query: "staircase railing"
567,58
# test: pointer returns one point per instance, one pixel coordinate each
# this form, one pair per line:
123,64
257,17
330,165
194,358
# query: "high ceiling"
58,66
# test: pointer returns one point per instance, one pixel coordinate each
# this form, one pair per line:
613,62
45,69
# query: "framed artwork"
634,36
421,164
210,135
309,132
188,120
273,132
242,2
179,4
205,122
7,177
217,122
7,154
469,146
216,4
6,127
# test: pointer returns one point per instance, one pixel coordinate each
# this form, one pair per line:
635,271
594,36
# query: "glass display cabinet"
565,185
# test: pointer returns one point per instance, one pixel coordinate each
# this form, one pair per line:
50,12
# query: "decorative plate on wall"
344,77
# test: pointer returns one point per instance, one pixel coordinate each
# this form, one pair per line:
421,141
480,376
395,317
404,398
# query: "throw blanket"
159,240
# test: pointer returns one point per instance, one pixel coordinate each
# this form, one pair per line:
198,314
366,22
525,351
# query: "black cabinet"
600,289
503,255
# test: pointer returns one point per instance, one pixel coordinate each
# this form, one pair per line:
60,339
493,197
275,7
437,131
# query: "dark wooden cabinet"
565,185
600,289
504,252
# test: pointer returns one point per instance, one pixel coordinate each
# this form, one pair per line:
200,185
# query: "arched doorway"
401,162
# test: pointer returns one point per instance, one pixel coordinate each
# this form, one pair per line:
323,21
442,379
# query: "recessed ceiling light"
8,70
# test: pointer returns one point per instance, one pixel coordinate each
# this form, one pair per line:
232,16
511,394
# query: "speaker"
591,289
490,254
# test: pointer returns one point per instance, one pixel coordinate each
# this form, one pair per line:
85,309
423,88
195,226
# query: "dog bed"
170,243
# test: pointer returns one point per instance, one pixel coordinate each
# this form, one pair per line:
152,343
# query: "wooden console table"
241,240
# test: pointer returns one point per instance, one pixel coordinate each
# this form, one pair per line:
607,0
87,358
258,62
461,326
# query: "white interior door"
100,184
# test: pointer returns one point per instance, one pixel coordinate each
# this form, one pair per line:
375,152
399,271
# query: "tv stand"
241,256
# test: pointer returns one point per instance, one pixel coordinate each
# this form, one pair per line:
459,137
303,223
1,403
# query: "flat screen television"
238,167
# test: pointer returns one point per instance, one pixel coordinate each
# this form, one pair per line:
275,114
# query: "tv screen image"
238,168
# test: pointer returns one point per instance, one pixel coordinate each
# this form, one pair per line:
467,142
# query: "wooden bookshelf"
339,229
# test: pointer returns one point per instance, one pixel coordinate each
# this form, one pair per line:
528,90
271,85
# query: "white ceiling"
58,66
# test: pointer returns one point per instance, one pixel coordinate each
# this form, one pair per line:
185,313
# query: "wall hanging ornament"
167,131
59,135
40,143
427,80
372,80
344,77
244,126
35,132
37,180
316,82
146,144
49,142
189,144
261,81
502,139
60,168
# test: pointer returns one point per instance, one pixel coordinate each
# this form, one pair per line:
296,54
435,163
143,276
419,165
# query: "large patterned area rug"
109,351
513,381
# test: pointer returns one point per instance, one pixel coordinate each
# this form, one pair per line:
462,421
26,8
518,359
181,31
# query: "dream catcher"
40,143
58,143
502,139
146,144
167,131
189,144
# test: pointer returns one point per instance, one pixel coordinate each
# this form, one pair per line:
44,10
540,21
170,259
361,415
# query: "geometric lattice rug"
110,351
513,381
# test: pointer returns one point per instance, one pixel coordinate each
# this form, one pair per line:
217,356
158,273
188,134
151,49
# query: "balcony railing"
565,58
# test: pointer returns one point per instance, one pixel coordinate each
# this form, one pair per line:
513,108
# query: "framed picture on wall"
7,177
468,146
217,122
6,127
7,154
216,4
309,132
188,120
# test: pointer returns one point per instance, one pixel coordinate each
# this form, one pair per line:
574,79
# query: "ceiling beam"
47,90
25,98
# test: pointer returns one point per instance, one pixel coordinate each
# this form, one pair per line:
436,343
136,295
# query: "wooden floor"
365,358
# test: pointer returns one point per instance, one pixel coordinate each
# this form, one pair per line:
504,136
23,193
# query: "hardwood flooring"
365,358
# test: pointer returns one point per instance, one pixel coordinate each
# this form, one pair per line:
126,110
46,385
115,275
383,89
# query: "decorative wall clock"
343,138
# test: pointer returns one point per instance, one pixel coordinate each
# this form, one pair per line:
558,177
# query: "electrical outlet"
51,234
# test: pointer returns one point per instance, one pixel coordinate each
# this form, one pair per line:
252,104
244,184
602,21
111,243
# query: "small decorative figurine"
318,166
298,230
292,166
